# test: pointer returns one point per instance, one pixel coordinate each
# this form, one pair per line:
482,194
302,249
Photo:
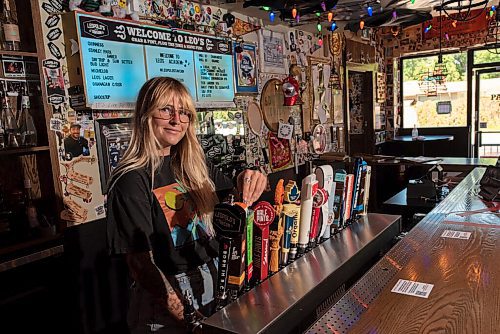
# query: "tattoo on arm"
145,272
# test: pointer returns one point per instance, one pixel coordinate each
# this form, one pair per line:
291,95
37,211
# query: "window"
429,87
486,57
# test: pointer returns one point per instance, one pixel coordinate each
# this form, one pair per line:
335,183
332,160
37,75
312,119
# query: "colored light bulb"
297,19
320,41
454,23
394,14
319,27
428,29
266,8
370,11
271,16
362,24
294,12
323,6
493,7
412,2
318,14
334,26
330,17
492,13
447,36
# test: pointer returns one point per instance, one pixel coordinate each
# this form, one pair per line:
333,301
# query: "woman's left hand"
251,184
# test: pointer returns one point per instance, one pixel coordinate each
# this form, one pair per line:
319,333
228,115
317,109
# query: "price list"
174,63
214,74
114,72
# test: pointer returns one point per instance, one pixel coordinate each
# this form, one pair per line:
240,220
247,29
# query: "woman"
160,204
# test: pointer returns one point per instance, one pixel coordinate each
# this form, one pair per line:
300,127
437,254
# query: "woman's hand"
251,184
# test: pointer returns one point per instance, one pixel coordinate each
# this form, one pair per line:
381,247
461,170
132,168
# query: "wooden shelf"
18,53
23,150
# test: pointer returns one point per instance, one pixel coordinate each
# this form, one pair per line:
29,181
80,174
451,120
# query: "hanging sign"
454,27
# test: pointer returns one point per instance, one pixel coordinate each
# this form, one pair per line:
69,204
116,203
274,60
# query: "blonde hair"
187,157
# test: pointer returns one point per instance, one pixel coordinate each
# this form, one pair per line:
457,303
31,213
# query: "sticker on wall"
52,21
281,154
75,48
54,34
56,124
54,81
99,210
49,9
74,212
57,5
285,131
54,50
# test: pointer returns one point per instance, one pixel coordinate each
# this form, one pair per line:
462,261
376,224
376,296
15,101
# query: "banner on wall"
453,27
118,57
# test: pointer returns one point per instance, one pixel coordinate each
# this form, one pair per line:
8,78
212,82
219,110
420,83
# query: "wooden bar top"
465,274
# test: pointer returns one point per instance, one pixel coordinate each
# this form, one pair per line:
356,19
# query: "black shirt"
75,147
161,218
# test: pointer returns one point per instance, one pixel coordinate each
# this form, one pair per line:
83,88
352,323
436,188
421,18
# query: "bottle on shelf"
12,40
2,131
414,132
26,123
31,212
11,128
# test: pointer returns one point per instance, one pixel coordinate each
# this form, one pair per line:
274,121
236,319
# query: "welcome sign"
118,57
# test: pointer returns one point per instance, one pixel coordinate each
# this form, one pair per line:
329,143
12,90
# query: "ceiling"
347,13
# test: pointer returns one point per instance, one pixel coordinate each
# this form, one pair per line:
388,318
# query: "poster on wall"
118,57
245,68
281,153
356,103
272,52
113,139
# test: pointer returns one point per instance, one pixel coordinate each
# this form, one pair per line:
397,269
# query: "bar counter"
465,273
295,296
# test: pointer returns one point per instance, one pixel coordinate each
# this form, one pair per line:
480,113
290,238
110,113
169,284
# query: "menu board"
118,57
214,75
114,73
173,63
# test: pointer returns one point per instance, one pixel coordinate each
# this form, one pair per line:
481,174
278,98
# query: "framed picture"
272,52
365,34
113,138
320,92
13,68
245,65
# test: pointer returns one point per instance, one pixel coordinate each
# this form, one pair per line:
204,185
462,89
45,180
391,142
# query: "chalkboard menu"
118,57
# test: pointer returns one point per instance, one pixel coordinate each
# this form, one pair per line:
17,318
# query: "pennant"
241,27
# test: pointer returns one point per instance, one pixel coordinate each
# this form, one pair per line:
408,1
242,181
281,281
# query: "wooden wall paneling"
30,171
26,31
54,160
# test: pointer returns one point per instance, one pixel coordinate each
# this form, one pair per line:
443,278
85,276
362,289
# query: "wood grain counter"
465,273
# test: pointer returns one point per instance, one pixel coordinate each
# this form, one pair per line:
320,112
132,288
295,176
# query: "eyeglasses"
168,112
